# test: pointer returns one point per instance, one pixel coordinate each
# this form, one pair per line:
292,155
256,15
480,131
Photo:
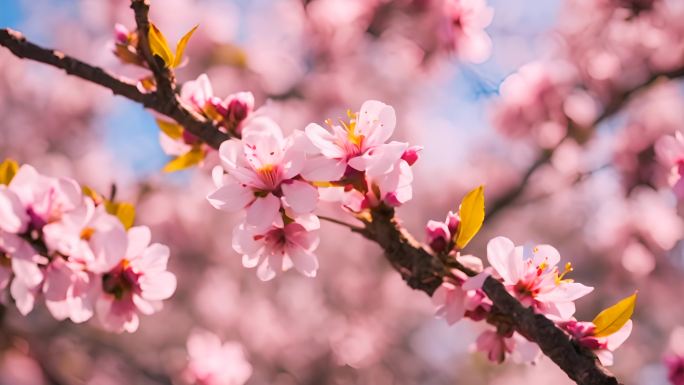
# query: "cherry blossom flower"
467,20
20,263
70,291
460,295
279,247
603,347
359,144
211,362
32,200
494,345
89,236
535,279
137,284
261,175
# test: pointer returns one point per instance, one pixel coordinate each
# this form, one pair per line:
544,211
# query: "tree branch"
423,271
163,102
610,109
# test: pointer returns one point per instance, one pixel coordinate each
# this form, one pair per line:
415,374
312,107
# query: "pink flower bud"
452,222
121,34
411,154
437,235
675,369
236,108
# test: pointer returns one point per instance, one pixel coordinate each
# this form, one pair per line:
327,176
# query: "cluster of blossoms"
229,115
78,250
211,362
278,181
531,275
465,23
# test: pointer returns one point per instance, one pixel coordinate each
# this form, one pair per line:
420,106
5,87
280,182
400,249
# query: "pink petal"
153,260
322,169
138,239
231,197
499,250
158,286
616,339
263,211
13,217
324,140
304,261
300,196
376,121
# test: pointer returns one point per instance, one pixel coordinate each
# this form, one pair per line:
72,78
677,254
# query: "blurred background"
581,89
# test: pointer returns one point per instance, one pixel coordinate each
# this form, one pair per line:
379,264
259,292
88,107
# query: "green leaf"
615,317
180,47
8,169
172,130
189,159
472,213
159,46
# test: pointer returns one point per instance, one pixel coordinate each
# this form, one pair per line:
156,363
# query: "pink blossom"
603,347
461,296
137,284
261,173
19,261
467,20
670,151
494,345
234,109
211,362
535,279
440,234
70,291
359,144
197,93
89,236
279,247
32,200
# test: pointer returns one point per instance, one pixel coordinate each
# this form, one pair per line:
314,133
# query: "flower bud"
452,222
437,235
411,154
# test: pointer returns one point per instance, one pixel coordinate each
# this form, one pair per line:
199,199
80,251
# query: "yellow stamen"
560,278
87,233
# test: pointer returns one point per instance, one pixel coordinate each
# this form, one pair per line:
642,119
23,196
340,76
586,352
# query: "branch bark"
166,102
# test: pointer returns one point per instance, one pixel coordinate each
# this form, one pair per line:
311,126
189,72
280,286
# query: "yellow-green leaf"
126,214
172,130
189,159
180,47
615,317
158,45
92,194
122,210
472,213
8,169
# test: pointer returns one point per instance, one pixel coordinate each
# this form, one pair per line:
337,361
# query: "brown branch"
424,271
610,109
165,103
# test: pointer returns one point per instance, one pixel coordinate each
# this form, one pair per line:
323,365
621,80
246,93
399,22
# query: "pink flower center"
121,281
270,175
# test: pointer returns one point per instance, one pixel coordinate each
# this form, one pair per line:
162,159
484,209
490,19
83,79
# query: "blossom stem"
353,228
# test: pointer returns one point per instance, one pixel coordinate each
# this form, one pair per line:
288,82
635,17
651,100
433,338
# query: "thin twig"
354,228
